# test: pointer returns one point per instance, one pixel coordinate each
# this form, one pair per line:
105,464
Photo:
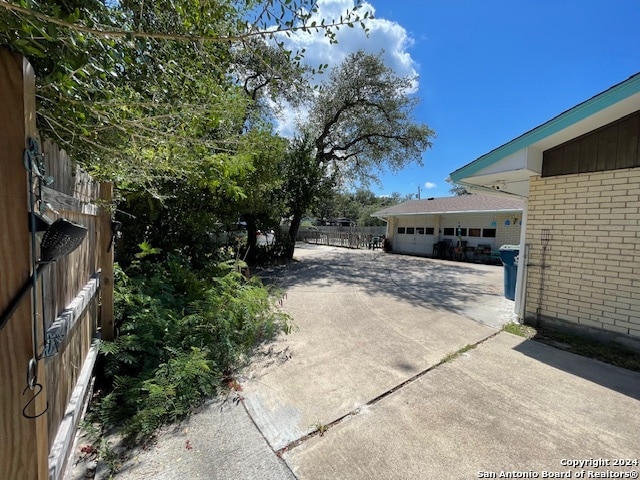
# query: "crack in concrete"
324,428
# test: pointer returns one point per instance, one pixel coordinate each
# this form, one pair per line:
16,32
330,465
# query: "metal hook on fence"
24,410
32,374
32,384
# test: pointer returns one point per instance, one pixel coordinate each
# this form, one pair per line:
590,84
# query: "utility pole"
418,192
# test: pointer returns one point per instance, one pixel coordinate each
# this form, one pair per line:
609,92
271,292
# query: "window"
410,230
489,232
420,230
449,232
400,230
474,232
429,230
463,232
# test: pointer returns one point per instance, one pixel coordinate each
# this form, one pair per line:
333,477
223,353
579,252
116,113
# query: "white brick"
595,246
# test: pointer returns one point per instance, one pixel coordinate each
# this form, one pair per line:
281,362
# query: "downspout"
521,277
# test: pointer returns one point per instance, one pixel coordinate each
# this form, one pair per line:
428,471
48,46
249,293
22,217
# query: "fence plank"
67,177
20,447
42,430
63,202
67,277
72,415
62,325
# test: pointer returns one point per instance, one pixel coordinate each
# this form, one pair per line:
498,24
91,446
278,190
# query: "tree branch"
128,34
336,118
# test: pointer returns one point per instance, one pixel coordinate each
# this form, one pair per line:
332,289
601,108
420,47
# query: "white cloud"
385,37
429,185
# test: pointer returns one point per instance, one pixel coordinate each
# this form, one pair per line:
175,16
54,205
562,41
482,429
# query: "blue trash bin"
509,256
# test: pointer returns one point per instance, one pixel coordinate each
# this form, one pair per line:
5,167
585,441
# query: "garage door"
415,240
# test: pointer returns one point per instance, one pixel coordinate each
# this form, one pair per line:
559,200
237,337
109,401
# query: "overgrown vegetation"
182,335
173,102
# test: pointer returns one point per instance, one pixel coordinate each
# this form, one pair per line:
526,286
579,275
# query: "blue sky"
490,70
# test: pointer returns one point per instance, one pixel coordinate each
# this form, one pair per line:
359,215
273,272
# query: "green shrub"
231,318
181,334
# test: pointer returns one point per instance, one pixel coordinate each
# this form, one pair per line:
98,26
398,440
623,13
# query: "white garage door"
417,240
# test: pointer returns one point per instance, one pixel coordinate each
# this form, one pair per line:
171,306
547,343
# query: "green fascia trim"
581,111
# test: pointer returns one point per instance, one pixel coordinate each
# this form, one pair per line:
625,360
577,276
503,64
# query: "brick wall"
508,234
593,256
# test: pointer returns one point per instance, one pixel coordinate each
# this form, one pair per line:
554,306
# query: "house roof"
601,109
457,204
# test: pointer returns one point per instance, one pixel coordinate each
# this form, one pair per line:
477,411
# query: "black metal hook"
24,410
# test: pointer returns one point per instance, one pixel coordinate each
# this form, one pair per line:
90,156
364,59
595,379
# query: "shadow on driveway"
614,378
456,287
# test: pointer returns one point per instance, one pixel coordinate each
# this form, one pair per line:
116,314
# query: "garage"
413,227
414,236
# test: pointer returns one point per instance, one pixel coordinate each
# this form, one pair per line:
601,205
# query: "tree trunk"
293,233
252,243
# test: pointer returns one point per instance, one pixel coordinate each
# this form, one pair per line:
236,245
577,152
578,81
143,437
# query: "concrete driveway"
361,389
365,323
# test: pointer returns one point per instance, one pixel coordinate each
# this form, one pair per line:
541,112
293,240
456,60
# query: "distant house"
579,175
415,226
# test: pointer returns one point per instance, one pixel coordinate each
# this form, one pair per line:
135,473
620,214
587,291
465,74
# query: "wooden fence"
47,345
348,237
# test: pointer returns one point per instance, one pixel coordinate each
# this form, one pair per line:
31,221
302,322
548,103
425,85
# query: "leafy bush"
181,334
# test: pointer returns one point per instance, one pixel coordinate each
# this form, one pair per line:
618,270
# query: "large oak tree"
361,123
